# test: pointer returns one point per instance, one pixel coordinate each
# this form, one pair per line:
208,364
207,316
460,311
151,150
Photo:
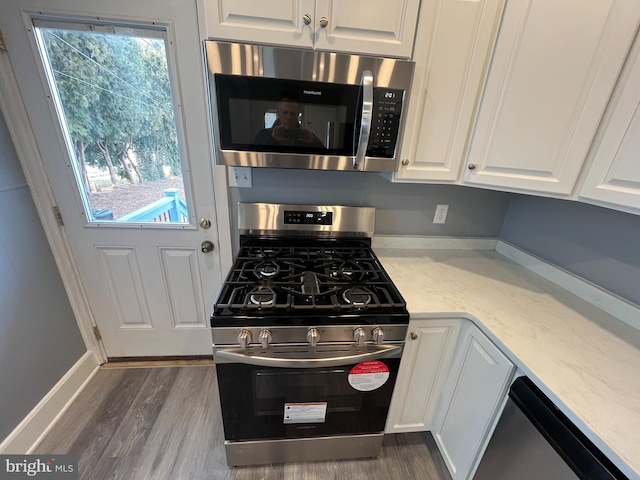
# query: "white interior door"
116,98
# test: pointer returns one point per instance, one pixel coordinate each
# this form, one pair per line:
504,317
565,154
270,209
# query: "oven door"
350,395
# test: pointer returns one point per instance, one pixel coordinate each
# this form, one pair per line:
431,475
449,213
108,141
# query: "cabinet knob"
472,166
405,162
324,22
413,336
306,19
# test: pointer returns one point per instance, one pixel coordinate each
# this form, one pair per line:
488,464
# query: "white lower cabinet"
474,395
428,354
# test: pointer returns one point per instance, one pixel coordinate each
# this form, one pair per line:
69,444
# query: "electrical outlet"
240,177
441,214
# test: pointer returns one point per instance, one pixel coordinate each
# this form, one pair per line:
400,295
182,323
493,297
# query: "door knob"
324,22
206,246
205,223
471,166
405,162
306,19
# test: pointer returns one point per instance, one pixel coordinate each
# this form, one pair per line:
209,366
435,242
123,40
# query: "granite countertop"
585,360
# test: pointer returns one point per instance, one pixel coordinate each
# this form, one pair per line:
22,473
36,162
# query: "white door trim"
31,162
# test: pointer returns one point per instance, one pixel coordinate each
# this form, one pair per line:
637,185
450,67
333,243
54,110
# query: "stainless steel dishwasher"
534,440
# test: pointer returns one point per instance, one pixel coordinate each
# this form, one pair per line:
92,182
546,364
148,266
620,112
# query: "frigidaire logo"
62,467
311,92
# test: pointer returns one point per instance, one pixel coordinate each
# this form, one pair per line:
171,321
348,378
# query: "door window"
112,91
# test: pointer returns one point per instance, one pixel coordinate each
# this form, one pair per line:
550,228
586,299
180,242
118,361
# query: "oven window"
253,399
272,389
287,116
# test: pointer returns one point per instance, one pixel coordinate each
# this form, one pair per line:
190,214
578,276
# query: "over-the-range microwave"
293,108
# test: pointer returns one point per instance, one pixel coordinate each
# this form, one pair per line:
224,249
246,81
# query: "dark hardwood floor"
164,423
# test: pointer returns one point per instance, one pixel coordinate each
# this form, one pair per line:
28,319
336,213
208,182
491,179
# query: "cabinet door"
425,363
257,21
473,396
614,176
453,45
552,72
376,27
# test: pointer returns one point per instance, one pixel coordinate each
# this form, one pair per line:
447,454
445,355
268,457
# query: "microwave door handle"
235,355
365,122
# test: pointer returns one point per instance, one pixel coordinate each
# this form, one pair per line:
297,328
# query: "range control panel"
307,218
385,124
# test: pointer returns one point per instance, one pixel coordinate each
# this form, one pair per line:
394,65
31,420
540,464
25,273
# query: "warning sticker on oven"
367,376
314,412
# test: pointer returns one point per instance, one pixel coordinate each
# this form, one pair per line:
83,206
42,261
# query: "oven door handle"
236,355
365,121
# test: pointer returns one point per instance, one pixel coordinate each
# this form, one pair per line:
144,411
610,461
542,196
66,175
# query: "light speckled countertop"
585,360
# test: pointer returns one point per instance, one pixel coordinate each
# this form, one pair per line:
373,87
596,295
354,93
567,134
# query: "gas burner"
268,252
262,296
357,296
348,271
266,269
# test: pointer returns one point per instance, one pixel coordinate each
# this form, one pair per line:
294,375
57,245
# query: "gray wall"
39,337
401,209
598,244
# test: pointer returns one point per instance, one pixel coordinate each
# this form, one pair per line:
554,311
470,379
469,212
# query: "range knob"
313,336
265,338
378,335
244,338
359,336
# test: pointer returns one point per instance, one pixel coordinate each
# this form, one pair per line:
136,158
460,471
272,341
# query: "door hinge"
57,215
3,46
96,332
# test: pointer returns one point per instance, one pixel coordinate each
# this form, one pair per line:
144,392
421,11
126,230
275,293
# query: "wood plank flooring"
165,423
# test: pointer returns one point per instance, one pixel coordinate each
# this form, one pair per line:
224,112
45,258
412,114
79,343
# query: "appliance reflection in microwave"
272,389
327,122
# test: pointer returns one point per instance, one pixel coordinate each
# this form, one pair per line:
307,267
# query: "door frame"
33,167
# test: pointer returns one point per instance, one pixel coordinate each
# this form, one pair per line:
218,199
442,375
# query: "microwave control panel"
385,122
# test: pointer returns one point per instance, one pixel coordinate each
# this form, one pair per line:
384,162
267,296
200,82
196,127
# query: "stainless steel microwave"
292,108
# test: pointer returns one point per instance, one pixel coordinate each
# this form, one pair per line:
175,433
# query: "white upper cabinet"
614,177
453,44
553,70
375,27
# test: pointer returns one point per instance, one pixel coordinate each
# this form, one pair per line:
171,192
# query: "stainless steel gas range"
308,331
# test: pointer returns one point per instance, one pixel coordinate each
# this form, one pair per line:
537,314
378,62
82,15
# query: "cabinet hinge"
96,332
3,46
57,215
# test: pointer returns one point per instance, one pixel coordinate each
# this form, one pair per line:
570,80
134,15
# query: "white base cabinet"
473,397
428,354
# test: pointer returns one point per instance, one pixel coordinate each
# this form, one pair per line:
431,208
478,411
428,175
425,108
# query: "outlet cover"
441,214
240,177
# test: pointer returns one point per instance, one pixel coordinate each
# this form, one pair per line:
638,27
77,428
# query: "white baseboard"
440,243
32,429
620,308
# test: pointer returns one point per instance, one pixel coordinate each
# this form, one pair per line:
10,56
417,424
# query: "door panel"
149,286
553,69
614,176
275,21
382,28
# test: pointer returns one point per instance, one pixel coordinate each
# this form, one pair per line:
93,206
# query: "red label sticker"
367,376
